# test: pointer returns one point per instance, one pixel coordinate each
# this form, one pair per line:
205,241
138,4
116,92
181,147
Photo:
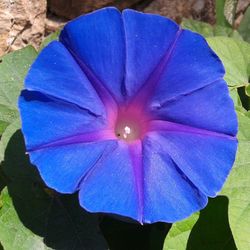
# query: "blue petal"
64,167
97,41
209,108
148,39
191,65
168,195
56,73
111,187
46,120
204,159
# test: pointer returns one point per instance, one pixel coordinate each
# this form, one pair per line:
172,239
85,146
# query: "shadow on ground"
212,230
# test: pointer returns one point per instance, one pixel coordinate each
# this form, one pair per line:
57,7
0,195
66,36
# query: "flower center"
128,131
130,125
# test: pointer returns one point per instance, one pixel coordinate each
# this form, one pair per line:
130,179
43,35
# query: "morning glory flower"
131,111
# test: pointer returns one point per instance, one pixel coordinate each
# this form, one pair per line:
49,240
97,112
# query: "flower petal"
56,73
168,195
209,108
148,40
192,65
63,167
204,159
97,41
46,120
111,186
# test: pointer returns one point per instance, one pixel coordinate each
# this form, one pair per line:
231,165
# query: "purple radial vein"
95,136
106,97
177,97
135,150
63,101
98,163
160,125
123,85
147,89
184,176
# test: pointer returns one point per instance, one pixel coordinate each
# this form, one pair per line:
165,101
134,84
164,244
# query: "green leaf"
13,234
50,38
13,69
244,28
224,31
225,12
34,214
208,30
7,115
235,96
220,17
204,29
9,131
237,187
179,233
3,126
235,55
248,90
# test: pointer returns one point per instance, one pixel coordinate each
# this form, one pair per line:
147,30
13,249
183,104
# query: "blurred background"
24,22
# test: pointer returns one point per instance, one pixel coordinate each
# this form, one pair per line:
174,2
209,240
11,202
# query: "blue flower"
131,111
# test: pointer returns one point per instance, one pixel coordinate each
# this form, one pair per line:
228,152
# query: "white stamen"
127,132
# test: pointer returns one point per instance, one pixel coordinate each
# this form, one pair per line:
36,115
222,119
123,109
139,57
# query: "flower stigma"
127,131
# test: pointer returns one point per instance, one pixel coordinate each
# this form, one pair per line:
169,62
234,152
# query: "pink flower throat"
131,124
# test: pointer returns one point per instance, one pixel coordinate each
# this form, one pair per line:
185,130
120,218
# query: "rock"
242,5
53,23
22,22
203,10
72,8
